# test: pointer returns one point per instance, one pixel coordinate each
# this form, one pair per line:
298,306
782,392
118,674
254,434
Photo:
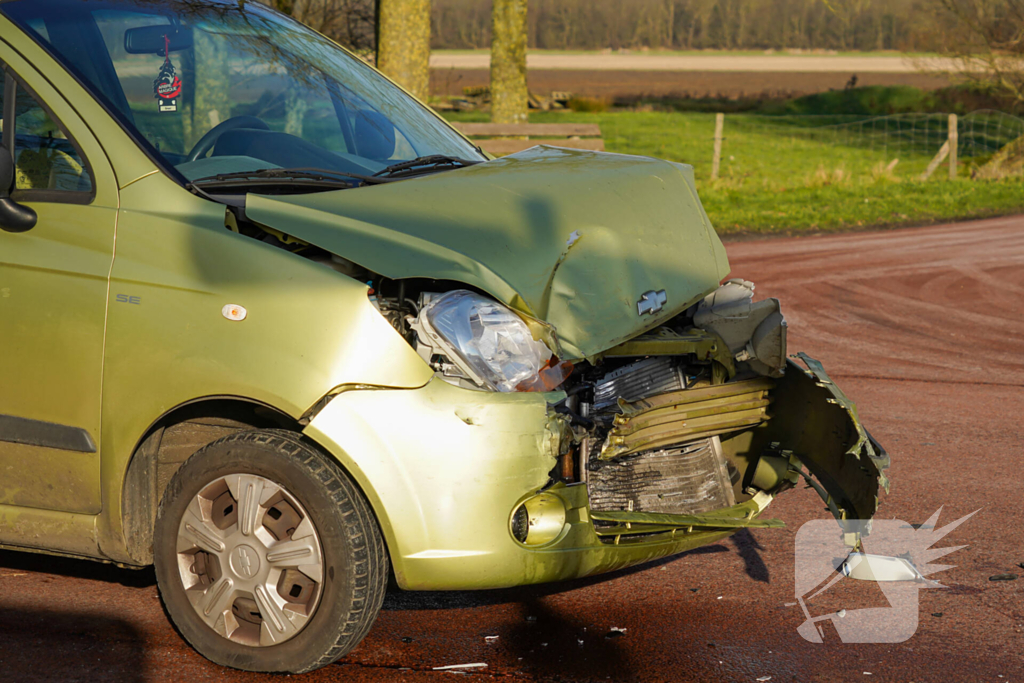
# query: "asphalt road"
922,327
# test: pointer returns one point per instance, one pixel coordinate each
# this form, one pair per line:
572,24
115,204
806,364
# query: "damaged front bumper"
446,469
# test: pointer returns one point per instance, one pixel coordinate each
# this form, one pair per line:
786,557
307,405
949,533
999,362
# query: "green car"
272,326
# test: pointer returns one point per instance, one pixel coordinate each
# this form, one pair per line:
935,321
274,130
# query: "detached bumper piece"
612,525
817,425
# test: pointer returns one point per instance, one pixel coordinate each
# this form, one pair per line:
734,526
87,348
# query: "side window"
45,158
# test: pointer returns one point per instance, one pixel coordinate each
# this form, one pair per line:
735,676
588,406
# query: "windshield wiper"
427,164
287,176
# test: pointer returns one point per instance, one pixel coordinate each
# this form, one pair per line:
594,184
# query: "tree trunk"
211,102
508,62
403,52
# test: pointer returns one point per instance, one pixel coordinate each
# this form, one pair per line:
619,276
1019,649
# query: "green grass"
779,179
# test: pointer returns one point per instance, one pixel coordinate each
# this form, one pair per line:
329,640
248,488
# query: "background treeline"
696,24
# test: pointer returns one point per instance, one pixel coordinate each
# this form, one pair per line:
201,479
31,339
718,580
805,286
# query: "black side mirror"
14,217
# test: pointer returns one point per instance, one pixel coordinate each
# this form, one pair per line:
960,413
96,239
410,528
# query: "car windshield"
231,87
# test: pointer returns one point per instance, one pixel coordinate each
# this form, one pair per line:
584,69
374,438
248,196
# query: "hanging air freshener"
167,86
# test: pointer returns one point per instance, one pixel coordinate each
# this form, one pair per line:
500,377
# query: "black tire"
355,563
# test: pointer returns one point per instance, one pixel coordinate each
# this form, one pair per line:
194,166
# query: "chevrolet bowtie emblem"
651,302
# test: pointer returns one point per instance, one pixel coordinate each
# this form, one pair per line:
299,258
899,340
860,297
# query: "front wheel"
267,556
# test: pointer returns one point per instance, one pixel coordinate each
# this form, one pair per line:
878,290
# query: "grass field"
775,179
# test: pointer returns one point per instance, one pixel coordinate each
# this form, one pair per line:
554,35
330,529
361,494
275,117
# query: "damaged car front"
329,337
599,399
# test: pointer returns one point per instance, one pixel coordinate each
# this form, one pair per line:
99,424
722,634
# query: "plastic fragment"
477,665
764,678
490,639
1003,577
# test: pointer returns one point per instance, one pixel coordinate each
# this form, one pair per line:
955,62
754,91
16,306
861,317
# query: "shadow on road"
749,549
79,569
40,645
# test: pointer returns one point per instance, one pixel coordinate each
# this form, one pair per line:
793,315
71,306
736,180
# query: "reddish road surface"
924,328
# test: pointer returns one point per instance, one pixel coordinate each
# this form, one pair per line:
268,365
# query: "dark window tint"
3,109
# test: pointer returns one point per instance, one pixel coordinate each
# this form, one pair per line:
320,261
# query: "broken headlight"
490,343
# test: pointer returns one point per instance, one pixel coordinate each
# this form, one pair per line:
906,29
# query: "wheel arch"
167,443
182,431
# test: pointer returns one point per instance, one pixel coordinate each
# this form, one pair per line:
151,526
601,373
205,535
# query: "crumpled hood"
574,238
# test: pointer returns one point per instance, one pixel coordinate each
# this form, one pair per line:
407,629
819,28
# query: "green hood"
573,238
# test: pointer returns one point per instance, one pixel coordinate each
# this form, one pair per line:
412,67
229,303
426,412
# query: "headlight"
491,343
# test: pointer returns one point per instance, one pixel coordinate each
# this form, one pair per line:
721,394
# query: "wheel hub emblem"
245,561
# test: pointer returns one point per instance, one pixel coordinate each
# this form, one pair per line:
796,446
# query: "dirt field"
923,328
661,62
621,83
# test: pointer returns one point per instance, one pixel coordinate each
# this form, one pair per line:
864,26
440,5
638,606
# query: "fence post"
716,160
954,139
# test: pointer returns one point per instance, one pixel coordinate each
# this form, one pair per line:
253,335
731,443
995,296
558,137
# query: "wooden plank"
936,160
530,129
503,147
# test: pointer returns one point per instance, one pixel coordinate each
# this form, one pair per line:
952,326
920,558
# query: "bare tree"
403,52
985,41
351,23
508,62
696,24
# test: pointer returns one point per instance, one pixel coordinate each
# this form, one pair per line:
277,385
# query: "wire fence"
980,133
858,143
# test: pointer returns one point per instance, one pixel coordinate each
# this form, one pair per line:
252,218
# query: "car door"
53,299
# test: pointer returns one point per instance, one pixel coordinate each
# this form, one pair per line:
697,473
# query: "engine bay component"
702,345
754,332
687,479
687,415
632,382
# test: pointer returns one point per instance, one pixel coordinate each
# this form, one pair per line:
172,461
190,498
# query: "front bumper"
444,468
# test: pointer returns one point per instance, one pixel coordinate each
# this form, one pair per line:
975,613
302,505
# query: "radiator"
685,479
